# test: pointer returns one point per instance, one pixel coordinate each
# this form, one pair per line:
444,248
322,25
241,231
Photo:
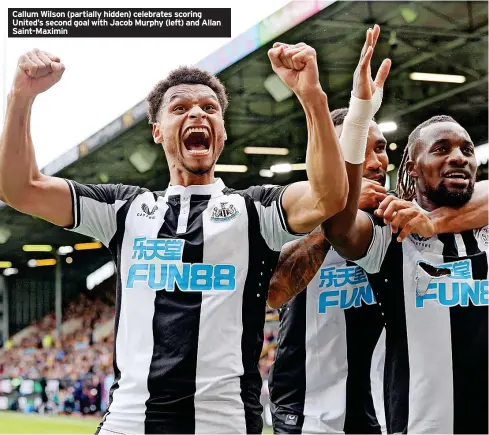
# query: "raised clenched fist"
297,66
36,72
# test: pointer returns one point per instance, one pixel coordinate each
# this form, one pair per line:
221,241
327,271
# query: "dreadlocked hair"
406,188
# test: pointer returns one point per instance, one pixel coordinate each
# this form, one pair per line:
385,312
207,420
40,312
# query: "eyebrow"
447,142
183,97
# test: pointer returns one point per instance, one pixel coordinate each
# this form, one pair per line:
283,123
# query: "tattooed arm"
299,261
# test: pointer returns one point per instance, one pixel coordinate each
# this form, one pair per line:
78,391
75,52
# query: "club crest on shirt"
484,235
224,212
147,212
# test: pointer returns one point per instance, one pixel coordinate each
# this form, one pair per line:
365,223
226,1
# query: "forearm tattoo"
296,267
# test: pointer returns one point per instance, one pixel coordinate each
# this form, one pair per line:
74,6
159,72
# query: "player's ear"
412,169
157,133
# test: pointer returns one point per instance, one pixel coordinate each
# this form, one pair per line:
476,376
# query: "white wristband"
377,100
353,139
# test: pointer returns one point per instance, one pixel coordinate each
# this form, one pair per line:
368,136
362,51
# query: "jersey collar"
214,189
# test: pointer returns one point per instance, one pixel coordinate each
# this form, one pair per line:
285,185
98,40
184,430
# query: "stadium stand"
73,373
80,360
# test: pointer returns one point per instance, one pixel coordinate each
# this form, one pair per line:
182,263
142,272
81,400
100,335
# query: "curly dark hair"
189,76
406,188
338,116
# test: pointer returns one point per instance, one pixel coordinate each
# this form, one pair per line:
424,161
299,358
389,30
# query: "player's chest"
194,218
338,286
200,245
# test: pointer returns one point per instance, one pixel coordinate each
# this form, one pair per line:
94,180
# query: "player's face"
376,159
191,128
445,164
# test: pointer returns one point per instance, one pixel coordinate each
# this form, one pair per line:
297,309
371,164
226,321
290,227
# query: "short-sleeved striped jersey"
193,269
321,379
434,294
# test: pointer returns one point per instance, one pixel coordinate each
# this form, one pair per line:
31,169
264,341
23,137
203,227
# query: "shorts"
286,420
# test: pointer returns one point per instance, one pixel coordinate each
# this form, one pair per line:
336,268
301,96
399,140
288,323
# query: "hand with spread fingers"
405,217
364,86
37,71
296,65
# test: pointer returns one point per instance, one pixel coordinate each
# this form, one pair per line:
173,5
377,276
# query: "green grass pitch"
18,423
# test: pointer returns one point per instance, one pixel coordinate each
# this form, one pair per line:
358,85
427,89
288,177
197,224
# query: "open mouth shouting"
197,141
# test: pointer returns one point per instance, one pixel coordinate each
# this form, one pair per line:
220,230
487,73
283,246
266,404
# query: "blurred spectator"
81,363
76,357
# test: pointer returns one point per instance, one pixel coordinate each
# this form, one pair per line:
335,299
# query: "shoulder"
265,194
108,193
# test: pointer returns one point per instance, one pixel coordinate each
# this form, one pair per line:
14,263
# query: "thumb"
383,73
58,68
369,181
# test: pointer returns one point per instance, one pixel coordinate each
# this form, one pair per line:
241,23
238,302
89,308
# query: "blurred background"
57,288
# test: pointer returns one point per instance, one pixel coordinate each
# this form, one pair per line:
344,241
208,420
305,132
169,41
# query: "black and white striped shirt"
321,379
193,270
434,294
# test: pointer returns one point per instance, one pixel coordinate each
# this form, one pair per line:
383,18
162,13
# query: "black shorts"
285,420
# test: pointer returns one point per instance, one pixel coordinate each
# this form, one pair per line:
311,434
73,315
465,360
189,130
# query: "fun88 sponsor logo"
456,288
345,287
157,263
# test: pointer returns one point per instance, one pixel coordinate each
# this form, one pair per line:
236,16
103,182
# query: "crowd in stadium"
82,359
383,295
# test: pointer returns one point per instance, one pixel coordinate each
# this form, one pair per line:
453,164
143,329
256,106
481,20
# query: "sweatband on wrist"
353,139
377,100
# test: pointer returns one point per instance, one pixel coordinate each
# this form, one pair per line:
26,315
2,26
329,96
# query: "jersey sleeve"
273,224
381,239
95,208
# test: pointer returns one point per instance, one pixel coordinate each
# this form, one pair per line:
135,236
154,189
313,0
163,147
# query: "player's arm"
350,231
22,185
406,218
470,216
299,261
307,204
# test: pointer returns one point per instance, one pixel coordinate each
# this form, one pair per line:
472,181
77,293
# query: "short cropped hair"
188,76
338,116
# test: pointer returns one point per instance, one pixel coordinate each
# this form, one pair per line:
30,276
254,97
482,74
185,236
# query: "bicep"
50,199
301,213
354,244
